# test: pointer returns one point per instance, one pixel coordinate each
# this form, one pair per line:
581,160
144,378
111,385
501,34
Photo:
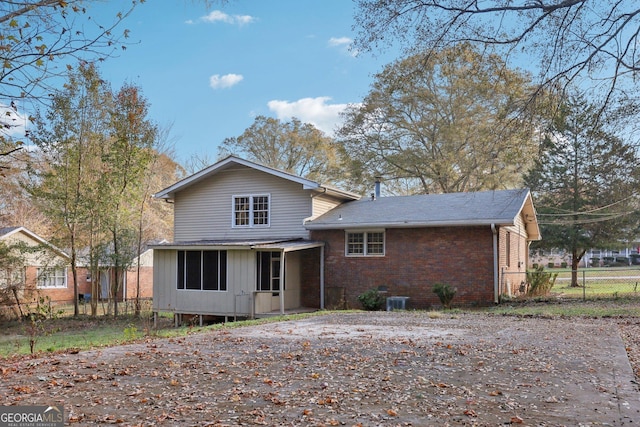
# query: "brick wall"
415,259
310,278
146,282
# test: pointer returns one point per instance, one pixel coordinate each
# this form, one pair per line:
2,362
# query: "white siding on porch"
164,280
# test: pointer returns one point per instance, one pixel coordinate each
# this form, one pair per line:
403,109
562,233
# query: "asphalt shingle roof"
452,209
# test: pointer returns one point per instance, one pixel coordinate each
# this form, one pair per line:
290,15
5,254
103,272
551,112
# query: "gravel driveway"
352,369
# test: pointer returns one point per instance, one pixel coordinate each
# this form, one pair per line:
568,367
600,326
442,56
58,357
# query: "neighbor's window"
251,211
365,243
52,277
202,270
12,277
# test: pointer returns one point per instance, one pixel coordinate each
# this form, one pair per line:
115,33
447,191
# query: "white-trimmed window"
52,278
251,210
364,243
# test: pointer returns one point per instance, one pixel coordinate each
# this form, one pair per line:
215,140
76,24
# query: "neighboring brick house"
476,242
40,269
251,239
129,286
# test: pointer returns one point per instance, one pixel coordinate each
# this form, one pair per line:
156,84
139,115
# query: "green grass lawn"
601,308
612,282
86,332
67,332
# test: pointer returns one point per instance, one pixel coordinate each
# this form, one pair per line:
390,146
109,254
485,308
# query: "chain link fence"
588,283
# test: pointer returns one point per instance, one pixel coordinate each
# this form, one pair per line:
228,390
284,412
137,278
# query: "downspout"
496,283
282,281
322,277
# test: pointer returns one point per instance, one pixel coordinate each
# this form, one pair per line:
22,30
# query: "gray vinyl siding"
241,284
164,279
204,210
241,279
323,204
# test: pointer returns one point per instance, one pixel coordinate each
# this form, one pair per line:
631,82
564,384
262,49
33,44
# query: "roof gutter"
496,283
406,224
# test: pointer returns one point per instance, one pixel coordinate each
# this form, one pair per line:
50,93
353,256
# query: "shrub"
540,281
445,292
371,300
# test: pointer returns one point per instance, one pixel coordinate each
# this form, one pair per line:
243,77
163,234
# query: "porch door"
269,276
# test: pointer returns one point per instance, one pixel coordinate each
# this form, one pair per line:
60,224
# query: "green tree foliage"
295,147
451,123
540,282
564,40
371,300
445,293
131,152
13,263
91,172
585,182
70,137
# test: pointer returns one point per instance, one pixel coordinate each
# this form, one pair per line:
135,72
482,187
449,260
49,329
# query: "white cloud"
221,82
340,41
219,16
316,111
343,44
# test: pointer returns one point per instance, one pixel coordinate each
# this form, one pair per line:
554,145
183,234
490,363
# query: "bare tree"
39,39
452,123
570,40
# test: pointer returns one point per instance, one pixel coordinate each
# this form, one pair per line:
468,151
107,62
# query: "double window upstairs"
249,211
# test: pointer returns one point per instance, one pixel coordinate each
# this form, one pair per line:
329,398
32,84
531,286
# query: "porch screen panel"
223,270
210,270
264,269
193,269
180,270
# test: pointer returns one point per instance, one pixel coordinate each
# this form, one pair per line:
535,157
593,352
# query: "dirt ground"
352,369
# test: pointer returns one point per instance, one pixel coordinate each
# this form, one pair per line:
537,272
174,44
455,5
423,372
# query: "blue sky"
208,72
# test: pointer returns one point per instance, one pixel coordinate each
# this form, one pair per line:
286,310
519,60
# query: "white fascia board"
167,193
39,239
